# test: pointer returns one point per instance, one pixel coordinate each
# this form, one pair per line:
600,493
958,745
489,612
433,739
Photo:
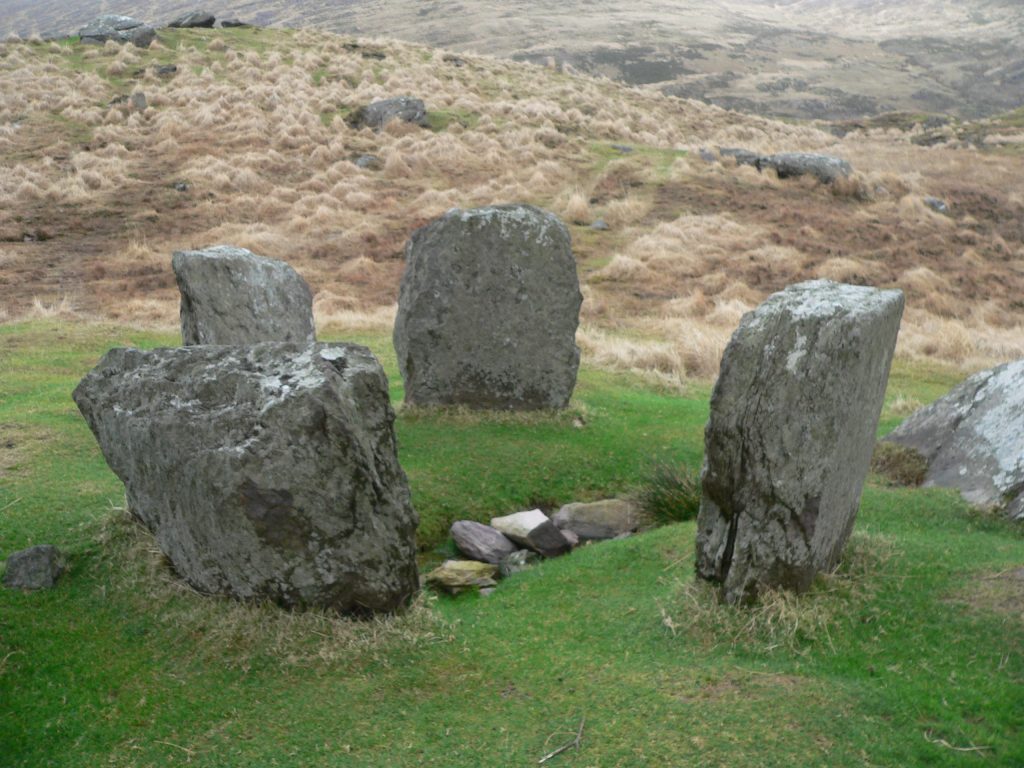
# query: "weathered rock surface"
380,113
267,471
937,205
195,19
517,562
120,29
481,542
234,23
488,311
37,567
456,576
791,432
973,439
598,520
533,529
825,168
232,296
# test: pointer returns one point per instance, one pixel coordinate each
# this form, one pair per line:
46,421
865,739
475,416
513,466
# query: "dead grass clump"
576,208
898,464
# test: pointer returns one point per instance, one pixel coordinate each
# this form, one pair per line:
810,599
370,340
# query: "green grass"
118,667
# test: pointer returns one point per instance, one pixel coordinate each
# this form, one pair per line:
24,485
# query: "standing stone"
789,441
481,542
267,471
973,439
37,567
232,296
488,311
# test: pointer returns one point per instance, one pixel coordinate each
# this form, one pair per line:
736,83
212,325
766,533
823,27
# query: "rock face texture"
825,168
598,520
194,19
380,113
120,29
790,437
37,567
488,310
232,296
481,542
973,439
263,472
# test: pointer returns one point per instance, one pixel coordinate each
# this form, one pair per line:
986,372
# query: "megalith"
790,436
268,471
232,296
488,311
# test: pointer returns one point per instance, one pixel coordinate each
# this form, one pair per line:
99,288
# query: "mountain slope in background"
829,59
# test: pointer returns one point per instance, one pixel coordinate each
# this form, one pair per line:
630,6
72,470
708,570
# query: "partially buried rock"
195,19
533,529
268,471
37,567
232,296
234,23
380,113
517,562
369,162
481,542
598,520
825,168
937,205
790,437
120,29
973,439
488,310
456,576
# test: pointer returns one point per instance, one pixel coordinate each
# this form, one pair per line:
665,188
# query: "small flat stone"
455,576
598,520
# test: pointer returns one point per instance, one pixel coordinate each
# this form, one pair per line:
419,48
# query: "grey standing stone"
232,296
791,432
973,439
488,310
37,567
481,542
598,520
268,471
380,113
120,29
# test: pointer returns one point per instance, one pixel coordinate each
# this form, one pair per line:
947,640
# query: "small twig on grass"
5,507
188,752
947,745
574,744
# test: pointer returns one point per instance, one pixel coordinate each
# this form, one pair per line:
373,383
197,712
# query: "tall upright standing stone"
232,296
488,311
789,441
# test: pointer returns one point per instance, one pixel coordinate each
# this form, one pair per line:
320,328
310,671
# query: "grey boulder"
790,436
194,19
267,472
488,310
481,542
37,567
234,23
598,520
973,439
232,296
825,168
380,113
534,530
120,29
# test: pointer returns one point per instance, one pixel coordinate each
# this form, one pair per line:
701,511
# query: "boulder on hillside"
380,113
120,29
488,310
825,168
598,520
268,471
790,436
936,204
973,439
232,296
195,19
234,23
481,542
534,530
34,568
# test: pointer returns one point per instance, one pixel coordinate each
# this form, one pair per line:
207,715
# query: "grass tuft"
671,493
898,464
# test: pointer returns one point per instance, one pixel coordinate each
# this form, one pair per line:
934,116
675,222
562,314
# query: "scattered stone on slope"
600,225
481,542
165,70
195,19
790,436
267,471
533,529
37,567
937,205
369,162
825,168
234,23
973,439
598,520
517,562
455,576
232,296
138,101
488,310
120,29
380,113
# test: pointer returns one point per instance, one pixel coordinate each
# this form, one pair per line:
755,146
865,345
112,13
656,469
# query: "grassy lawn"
909,656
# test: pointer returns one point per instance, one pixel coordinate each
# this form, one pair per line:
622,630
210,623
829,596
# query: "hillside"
247,143
800,58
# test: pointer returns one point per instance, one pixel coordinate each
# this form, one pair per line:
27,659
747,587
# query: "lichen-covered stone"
268,471
973,439
789,440
37,567
120,29
825,168
456,576
232,296
488,311
598,520
380,113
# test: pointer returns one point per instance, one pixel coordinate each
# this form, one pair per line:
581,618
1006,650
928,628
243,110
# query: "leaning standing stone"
488,311
268,471
789,441
232,296
37,567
